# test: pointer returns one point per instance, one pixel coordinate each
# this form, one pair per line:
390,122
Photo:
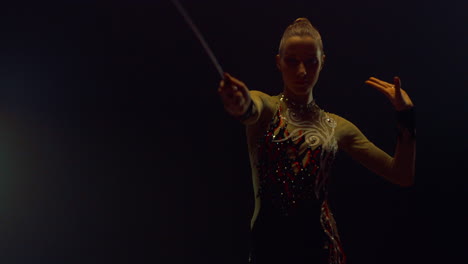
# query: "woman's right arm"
239,102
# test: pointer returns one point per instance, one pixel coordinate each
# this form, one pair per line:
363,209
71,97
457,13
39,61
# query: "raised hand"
235,95
398,97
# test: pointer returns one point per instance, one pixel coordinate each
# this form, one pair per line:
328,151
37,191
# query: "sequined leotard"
293,160
290,155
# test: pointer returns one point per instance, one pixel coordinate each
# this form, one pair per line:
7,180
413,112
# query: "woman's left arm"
405,152
399,169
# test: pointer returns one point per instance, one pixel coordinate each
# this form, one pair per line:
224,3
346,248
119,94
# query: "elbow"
400,181
402,175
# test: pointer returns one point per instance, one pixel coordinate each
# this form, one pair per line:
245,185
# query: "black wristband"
247,113
407,120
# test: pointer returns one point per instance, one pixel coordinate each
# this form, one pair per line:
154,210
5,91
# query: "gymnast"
292,143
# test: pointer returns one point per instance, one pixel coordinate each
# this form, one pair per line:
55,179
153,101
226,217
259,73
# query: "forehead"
301,46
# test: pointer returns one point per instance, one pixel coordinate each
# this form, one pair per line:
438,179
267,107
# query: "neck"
298,108
299,99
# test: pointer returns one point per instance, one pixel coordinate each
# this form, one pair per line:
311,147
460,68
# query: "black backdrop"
115,147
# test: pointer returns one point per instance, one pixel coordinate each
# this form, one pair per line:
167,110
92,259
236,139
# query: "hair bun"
302,20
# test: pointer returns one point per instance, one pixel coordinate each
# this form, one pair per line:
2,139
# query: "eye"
291,61
312,61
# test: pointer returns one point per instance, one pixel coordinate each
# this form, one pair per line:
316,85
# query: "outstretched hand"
398,97
235,95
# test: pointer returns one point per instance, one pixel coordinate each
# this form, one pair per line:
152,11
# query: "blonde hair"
301,27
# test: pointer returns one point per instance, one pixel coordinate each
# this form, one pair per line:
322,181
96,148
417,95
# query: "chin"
300,90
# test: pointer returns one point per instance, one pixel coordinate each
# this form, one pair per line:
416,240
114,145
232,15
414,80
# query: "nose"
301,70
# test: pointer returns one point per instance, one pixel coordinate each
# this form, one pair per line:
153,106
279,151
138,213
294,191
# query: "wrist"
248,113
406,120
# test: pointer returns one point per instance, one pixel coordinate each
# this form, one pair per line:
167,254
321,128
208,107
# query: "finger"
376,80
397,83
381,89
229,91
228,82
244,92
226,92
226,86
230,96
376,85
234,81
238,99
224,95
227,78
237,85
221,86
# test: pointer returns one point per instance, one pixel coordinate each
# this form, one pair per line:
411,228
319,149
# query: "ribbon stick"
200,37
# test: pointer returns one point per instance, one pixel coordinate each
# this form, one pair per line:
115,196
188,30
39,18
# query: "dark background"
115,148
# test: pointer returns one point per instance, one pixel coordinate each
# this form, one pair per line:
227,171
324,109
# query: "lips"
301,82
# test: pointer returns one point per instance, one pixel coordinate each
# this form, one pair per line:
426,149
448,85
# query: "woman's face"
300,64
